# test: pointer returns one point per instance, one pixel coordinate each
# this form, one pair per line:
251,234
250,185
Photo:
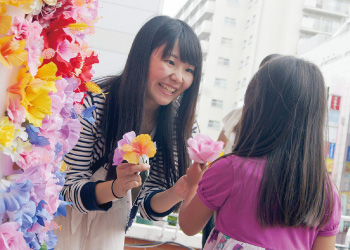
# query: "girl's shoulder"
236,160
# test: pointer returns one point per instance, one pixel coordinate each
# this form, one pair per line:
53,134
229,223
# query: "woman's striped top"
80,190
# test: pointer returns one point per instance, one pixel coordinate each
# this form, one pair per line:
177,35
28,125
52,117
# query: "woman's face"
168,77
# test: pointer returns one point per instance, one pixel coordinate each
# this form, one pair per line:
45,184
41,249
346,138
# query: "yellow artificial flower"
140,145
16,2
7,132
51,2
47,75
34,92
12,51
5,20
94,88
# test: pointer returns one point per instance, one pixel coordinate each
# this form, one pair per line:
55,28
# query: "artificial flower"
34,92
36,157
18,147
203,149
35,137
140,147
118,152
94,88
13,195
33,7
5,20
16,3
23,216
10,238
12,51
7,132
49,12
70,132
15,111
30,31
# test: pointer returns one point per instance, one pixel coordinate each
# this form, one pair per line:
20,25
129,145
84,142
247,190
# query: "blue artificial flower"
24,216
87,114
42,214
61,210
52,241
32,240
34,137
58,148
60,177
14,195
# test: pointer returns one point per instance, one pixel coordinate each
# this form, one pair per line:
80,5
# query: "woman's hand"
128,177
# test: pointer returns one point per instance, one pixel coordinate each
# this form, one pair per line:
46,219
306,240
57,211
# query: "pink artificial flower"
31,32
66,50
203,149
118,153
51,194
38,156
10,238
70,132
15,111
20,28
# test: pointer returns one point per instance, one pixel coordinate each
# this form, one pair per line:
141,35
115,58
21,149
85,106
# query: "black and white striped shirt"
80,190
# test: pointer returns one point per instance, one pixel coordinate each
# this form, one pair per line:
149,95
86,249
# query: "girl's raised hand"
194,174
128,177
180,188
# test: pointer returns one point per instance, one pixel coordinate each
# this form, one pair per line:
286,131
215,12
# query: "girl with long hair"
155,94
273,190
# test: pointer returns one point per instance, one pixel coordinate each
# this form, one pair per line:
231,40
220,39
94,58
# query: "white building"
333,58
116,29
237,34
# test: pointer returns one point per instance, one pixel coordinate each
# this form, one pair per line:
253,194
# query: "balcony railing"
167,230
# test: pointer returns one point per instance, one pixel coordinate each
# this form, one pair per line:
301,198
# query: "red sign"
335,102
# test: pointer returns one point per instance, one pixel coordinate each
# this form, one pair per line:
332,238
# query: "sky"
171,7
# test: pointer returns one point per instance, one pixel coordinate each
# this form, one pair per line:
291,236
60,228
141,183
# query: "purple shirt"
231,187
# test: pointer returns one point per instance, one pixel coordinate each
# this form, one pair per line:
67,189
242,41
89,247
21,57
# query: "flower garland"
44,41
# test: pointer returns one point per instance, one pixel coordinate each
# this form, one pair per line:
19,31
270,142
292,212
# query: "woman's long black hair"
283,120
124,108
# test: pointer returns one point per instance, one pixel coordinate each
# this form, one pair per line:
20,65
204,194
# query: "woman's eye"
190,71
171,62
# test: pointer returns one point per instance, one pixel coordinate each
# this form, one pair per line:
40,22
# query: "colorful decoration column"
45,63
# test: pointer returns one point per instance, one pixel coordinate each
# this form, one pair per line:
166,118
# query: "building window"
241,64
230,21
220,82
214,124
250,40
246,61
244,44
226,41
253,20
217,103
233,2
244,82
237,84
247,24
224,61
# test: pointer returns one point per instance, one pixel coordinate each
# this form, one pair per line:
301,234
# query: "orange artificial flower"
5,20
139,146
12,51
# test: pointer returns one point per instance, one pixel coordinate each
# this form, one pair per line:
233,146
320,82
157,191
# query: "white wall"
115,31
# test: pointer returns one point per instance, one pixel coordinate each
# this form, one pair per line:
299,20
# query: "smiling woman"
168,77
156,94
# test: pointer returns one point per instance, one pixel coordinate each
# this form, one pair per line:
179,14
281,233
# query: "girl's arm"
156,201
324,243
193,214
